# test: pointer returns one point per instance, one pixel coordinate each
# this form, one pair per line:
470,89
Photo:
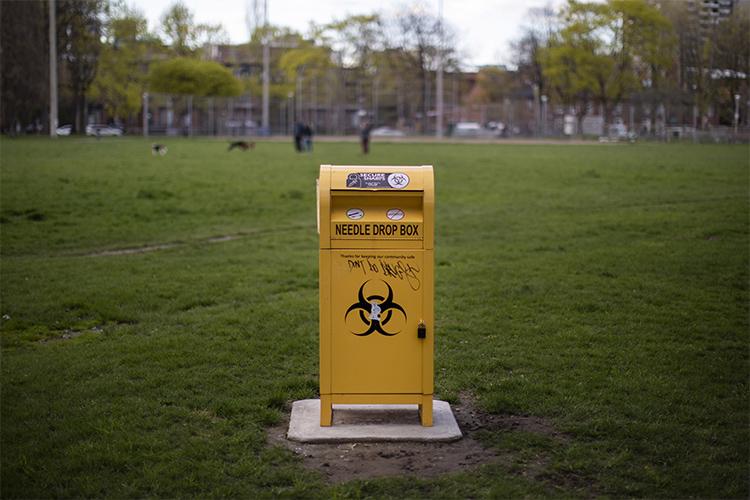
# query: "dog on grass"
243,145
158,149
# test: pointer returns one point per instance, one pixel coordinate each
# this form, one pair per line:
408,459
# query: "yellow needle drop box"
376,227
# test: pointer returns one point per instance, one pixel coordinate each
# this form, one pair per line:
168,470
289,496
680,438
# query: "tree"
193,77
730,73
712,58
23,63
308,61
357,43
606,51
538,29
414,39
280,39
643,49
690,75
494,83
121,75
178,27
356,40
567,66
185,36
79,29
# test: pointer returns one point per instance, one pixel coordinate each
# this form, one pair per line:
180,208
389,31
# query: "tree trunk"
580,110
77,99
423,88
423,99
606,110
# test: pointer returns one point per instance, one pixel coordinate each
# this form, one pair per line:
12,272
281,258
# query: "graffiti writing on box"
401,267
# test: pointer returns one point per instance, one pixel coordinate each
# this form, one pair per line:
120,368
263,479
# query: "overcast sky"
485,27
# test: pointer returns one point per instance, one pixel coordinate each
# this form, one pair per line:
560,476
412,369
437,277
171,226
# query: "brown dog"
243,145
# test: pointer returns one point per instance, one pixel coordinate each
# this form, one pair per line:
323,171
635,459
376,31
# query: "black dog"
159,149
243,145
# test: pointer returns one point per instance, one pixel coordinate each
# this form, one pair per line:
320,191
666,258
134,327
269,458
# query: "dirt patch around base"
349,461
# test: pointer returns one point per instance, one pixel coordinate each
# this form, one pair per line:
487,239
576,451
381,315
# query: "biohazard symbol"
375,311
352,180
398,180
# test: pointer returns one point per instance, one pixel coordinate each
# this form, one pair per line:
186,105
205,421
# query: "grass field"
601,288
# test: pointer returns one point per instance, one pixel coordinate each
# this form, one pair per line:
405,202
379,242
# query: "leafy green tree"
304,64
24,63
537,30
121,74
356,40
281,40
414,41
642,46
178,26
183,35
79,29
307,61
694,58
194,77
567,64
606,51
357,43
494,83
711,61
731,68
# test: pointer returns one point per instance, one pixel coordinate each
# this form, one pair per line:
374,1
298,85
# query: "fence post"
145,114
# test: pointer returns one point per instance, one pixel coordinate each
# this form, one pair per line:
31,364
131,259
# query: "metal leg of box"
425,411
326,410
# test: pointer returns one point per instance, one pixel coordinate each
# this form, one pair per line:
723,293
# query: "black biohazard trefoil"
375,311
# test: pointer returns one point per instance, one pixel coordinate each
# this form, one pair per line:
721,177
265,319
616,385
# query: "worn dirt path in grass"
175,244
344,462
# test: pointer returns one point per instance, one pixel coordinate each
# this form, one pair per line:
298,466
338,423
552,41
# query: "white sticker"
398,180
395,214
355,213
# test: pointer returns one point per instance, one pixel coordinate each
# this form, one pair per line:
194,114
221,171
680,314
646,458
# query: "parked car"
498,128
103,130
472,129
617,132
64,129
386,132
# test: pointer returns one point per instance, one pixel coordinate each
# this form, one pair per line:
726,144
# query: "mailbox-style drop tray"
371,423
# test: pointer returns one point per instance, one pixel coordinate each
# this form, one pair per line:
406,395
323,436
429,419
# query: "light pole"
52,70
439,89
289,113
265,119
145,114
736,112
544,115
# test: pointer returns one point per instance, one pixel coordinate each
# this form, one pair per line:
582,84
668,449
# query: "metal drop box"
376,226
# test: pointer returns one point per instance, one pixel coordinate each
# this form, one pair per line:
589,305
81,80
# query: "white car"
386,132
471,129
64,129
103,130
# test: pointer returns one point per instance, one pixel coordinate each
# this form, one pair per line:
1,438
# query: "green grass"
604,288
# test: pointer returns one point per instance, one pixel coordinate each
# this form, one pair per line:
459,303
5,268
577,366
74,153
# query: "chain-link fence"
395,114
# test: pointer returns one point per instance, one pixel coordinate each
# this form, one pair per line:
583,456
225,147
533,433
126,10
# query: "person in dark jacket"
307,133
364,136
299,130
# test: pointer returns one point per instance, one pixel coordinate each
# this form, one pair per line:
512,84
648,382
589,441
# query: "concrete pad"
369,423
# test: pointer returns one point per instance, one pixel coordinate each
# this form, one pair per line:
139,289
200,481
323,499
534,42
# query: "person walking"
364,137
299,130
307,133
